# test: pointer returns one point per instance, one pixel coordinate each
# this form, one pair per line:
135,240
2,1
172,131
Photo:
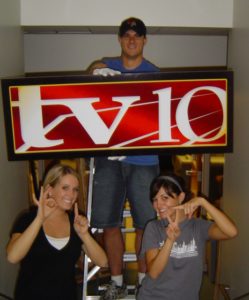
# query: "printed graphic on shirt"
184,250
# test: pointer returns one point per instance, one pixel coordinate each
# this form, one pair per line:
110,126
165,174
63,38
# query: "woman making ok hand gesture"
174,245
47,240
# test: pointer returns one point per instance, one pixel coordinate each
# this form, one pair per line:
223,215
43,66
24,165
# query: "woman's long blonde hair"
55,173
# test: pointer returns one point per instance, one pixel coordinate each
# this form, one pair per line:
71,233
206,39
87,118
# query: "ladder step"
126,213
128,230
128,256
123,229
97,297
129,287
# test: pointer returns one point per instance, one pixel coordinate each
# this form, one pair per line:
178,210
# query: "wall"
235,254
13,183
172,13
66,52
181,33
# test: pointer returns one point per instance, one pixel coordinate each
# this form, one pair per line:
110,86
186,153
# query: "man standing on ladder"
119,178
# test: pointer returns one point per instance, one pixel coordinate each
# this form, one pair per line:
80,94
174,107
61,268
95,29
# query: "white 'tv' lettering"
33,131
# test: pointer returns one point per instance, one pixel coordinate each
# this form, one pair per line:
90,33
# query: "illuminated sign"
76,116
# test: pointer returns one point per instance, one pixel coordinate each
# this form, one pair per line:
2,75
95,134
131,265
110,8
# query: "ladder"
128,256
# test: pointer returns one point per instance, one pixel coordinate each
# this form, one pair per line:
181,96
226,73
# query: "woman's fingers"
80,220
41,197
179,207
50,203
81,224
169,219
84,221
35,201
76,210
177,217
41,193
173,230
47,192
188,208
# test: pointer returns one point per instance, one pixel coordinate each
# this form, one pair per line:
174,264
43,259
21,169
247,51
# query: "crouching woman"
47,240
174,245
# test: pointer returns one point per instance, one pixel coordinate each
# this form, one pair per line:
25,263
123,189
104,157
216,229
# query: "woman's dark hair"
172,184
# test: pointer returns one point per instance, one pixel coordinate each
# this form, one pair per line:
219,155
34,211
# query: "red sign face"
92,117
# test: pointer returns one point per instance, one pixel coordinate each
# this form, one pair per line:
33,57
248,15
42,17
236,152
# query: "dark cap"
132,24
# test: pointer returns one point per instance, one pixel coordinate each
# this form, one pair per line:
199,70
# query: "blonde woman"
47,240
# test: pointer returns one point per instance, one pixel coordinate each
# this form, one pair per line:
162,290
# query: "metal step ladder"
128,256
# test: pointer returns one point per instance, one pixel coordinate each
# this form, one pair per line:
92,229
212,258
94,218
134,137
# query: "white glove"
106,72
116,157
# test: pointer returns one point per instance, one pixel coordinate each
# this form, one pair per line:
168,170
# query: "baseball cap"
134,24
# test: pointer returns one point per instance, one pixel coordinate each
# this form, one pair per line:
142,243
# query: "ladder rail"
88,215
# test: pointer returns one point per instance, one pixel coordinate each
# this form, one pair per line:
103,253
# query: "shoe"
114,291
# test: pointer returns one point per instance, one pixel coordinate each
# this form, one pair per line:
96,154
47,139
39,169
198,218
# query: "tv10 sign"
181,112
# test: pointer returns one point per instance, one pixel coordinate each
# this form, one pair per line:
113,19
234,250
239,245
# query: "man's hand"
120,158
106,72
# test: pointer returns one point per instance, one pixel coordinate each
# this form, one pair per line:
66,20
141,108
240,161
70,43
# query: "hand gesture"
190,207
172,230
46,204
80,222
